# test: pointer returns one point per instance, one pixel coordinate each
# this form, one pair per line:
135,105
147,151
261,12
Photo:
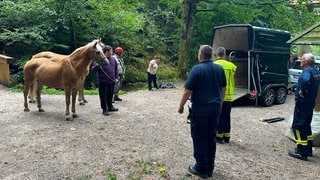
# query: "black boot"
112,108
310,145
116,98
219,140
299,153
226,139
193,170
105,112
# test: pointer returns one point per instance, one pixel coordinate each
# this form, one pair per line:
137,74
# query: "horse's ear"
95,45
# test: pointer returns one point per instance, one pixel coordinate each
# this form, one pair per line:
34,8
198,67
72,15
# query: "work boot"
116,98
113,109
219,140
193,170
226,139
105,112
295,153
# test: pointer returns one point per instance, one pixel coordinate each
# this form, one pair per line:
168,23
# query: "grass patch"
141,168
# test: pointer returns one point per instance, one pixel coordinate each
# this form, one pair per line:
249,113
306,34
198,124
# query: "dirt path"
146,139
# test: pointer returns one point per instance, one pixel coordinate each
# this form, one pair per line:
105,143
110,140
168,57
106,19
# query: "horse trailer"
261,56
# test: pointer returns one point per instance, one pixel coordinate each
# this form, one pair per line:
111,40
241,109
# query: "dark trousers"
301,125
224,123
203,133
106,95
152,78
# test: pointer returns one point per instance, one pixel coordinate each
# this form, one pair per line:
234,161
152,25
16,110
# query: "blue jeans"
203,133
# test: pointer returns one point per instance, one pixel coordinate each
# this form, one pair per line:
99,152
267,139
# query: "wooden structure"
310,36
5,78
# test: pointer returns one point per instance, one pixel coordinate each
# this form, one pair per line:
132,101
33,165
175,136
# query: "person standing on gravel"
305,96
206,86
224,123
152,72
107,77
121,71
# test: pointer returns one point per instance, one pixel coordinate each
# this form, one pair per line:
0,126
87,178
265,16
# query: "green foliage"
264,13
24,27
143,28
135,75
17,70
166,74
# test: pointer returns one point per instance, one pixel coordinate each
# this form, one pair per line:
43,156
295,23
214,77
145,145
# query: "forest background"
173,29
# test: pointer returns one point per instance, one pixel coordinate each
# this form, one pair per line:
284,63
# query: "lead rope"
107,75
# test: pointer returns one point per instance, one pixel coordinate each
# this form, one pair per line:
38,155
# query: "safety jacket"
229,70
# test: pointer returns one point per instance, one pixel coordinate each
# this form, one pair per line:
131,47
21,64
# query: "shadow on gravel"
244,101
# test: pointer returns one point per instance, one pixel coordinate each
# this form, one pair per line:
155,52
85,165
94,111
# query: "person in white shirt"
152,72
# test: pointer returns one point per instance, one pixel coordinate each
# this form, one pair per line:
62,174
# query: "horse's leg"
38,94
81,99
32,92
73,108
67,92
25,94
82,91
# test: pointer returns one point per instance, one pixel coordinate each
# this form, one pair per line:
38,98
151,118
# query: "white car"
295,71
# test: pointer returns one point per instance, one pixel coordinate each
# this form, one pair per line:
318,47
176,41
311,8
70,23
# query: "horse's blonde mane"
89,45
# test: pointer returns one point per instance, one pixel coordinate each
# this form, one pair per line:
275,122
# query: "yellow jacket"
229,70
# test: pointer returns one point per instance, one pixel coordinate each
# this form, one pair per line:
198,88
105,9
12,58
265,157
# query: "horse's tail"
29,82
32,92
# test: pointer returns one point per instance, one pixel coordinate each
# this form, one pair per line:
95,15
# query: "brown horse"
56,57
66,74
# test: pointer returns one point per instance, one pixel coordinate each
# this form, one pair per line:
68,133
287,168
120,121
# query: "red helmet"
118,50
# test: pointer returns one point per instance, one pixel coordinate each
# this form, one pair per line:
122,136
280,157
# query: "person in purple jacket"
107,77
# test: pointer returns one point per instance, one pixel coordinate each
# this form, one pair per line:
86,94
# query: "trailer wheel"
281,96
267,98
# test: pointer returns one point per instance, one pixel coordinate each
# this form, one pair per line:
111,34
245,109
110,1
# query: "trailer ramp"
239,93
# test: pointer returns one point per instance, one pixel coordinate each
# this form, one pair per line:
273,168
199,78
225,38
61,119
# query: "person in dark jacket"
206,85
305,96
107,77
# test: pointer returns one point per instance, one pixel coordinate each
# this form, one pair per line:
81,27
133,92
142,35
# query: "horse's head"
98,55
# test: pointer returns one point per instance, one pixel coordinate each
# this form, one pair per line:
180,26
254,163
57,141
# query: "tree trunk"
189,11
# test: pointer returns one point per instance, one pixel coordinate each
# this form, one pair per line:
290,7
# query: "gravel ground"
146,139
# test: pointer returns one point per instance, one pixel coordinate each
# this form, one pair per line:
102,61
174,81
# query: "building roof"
310,36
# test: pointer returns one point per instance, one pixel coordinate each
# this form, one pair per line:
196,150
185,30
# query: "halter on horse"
67,73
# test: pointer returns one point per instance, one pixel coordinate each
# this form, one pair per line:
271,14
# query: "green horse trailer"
261,56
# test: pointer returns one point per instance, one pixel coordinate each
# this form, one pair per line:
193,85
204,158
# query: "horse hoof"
75,116
32,101
85,101
26,109
81,104
41,110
